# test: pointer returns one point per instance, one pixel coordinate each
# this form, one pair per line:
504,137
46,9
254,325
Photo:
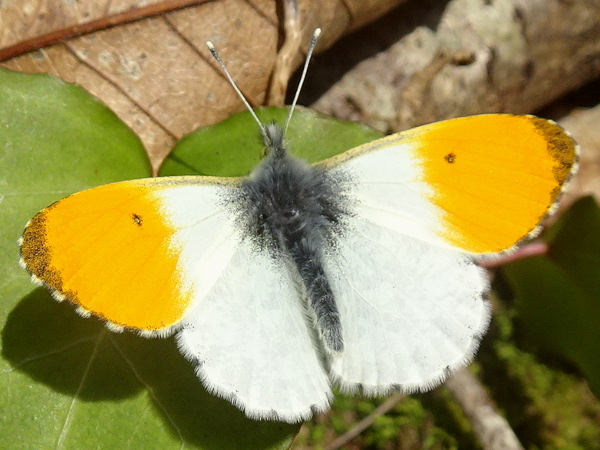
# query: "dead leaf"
156,73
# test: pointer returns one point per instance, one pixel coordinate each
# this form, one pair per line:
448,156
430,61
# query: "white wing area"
204,236
410,311
251,342
246,332
385,188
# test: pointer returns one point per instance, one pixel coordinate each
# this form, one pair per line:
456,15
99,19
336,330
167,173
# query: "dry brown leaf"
156,73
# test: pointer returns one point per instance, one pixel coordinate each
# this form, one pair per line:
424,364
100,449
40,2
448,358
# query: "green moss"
546,403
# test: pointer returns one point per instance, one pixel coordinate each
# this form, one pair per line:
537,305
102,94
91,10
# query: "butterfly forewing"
479,184
115,250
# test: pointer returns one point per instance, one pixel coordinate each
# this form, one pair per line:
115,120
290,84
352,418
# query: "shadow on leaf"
79,357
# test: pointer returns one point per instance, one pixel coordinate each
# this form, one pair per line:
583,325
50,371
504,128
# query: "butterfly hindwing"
250,341
410,311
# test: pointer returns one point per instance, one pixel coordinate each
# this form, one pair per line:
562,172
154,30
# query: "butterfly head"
272,136
272,133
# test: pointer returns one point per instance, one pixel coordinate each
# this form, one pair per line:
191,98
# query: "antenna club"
215,55
311,48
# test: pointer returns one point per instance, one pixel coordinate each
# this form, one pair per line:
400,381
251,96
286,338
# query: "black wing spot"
450,158
137,219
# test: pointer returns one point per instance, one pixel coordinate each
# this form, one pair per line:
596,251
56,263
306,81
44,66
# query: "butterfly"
359,271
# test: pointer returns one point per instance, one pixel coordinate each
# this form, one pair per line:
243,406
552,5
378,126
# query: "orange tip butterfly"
357,271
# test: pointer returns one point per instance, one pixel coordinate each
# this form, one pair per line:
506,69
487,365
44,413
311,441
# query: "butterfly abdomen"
308,262
294,211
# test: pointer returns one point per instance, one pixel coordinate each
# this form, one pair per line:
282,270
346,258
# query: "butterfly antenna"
215,55
311,47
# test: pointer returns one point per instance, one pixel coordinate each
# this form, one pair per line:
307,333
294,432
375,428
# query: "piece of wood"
432,60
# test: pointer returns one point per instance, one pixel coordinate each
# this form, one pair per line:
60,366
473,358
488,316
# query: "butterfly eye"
291,214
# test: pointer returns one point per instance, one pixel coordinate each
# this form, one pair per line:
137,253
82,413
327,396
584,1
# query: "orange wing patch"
109,250
495,177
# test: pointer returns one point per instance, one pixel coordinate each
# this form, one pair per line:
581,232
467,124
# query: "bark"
432,60
491,428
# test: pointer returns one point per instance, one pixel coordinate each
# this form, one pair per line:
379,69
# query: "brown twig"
282,70
491,428
535,248
131,15
366,422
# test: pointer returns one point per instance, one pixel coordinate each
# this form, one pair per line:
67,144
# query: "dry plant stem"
103,23
284,63
491,428
366,422
535,248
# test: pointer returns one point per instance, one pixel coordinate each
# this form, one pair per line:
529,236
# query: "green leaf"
68,382
558,295
234,147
